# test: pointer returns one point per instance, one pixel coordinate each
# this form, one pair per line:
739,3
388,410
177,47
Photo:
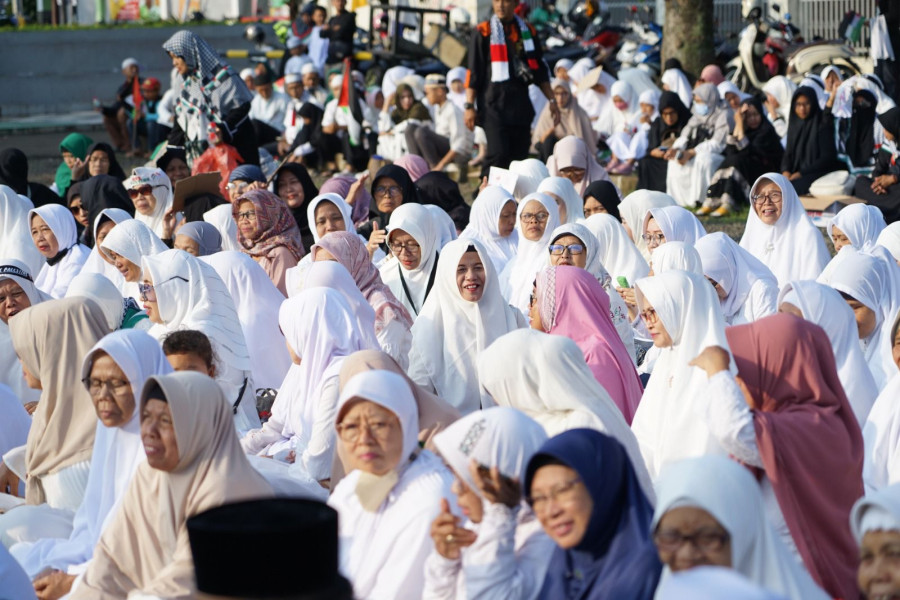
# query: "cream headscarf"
51,339
95,263
517,278
146,547
617,252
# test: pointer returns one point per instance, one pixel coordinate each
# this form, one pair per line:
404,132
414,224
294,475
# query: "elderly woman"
198,238
126,245
413,240
151,192
391,187
393,490
573,160
194,463
583,490
573,121
53,234
499,548
875,521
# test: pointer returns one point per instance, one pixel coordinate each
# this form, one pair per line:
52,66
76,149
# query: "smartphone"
623,281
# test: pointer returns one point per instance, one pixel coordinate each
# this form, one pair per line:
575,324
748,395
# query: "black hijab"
115,169
437,188
765,142
606,194
809,140
14,170
659,131
860,141
99,193
890,120
196,206
407,189
171,152
310,191
311,133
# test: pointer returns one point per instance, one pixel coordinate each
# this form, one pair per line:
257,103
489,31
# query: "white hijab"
546,377
531,172
613,120
677,82
484,226
257,301
102,291
688,308
881,439
117,453
889,238
162,191
824,306
676,223
415,220
133,240
879,511
54,279
517,279
222,218
616,250
861,223
345,209
10,368
451,332
565,190
676,256
793,247
735,501
15,230
443,224
875,282
733,268
633,209
95,262
783,90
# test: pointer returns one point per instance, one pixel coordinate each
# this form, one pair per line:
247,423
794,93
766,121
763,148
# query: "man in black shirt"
504,58
340,30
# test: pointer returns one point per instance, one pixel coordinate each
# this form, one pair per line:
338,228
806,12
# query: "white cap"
308,68
292,78
293,42
129,62
248,72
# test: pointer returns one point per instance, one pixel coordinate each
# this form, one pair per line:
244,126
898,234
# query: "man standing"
505,57
450,140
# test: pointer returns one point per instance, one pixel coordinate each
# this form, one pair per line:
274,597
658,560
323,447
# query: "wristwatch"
469,106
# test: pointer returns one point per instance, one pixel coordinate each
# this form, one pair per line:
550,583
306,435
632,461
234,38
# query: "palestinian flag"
851,27
348,102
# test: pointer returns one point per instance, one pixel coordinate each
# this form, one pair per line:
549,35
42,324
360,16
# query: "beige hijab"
573,120
146,547
52,338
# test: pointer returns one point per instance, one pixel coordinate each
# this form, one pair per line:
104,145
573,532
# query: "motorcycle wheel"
737,77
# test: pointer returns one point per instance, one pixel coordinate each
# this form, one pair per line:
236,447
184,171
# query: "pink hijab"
572,303
809,441
350,251
340,185
571,151
712,74
414,164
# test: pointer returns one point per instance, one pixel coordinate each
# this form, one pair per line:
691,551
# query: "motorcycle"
642,44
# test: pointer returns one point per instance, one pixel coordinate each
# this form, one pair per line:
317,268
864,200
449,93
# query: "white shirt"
271,111
448,122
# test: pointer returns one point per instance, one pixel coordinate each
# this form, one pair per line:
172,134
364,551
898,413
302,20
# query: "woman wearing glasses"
126,245
413,240
391,187
392,492
671,224
780,234
151,192
697,524
537,217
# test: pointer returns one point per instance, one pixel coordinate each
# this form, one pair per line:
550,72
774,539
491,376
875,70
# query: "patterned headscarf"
274,223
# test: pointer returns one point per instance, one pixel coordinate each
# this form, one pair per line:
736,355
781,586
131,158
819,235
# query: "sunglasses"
147,292
144,190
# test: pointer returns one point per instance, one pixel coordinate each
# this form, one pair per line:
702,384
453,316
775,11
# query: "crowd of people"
259,386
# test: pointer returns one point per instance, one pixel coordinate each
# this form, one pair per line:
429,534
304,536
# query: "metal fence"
822,18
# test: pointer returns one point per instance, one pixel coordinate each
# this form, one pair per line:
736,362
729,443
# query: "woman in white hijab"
127,244
10,368
674,223
857,225
824,306
746,288
875,522
328,212
681,312
464,314
697,152
118,365
51,339
779,90
675,256
194,463
634,208
120,313
321,331
53,233
889,238
510,552
881,433
492,223
410,271
547,378
257,301
15,230
537,216
98,261
223,220
780,234
618,113
393,490
181,291
151,192
531,172
674,80
723,495
616,250
570,204
871,286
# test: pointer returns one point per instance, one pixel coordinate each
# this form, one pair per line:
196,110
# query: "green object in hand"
623,281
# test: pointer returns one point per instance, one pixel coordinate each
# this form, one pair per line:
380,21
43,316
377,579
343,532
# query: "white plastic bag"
881,42
837,183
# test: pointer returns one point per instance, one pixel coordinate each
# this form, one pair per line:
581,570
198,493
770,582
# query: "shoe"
703,211
722,211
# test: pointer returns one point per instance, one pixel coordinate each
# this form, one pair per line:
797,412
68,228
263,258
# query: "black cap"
273,548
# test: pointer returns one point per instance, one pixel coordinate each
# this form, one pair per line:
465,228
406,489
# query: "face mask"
701,110
621,105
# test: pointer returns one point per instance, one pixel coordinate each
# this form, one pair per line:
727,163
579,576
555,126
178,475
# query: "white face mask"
701,110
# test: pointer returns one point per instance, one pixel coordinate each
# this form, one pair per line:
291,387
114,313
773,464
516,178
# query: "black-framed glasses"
410,247
392,190
705,540
249,215
659,238
773,197
538,217
116,387
559,249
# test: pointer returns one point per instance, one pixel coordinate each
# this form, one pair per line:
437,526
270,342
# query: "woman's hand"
713,359
54,585
449,539
168,224
687,157
30,407
78,169
670,154
657,153
795,176
376,238
484,184
495,488
355,187
9,481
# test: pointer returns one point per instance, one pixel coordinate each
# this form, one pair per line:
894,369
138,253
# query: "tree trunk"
688,33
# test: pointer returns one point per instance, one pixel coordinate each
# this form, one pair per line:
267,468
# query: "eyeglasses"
658,238
649,316
705,540
562,494
77,209
249,215
559,249
144,190
237,185
773,197
147,292
537,217
350,432
410,247
389,191
116,387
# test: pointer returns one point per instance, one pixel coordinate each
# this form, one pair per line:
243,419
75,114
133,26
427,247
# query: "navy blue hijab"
616,558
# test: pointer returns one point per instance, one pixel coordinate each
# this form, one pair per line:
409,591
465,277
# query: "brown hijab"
52,338
145,547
